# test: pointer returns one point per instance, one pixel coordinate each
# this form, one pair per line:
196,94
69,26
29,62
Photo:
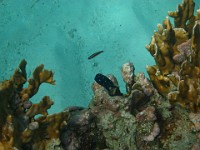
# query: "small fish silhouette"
95,54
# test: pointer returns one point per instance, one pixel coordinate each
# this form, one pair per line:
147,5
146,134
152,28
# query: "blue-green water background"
62,33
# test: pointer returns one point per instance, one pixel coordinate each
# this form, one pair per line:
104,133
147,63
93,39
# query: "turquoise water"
62,33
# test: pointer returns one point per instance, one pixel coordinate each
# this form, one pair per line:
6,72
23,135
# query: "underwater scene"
100,75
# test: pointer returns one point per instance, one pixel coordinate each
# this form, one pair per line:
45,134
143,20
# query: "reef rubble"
162,112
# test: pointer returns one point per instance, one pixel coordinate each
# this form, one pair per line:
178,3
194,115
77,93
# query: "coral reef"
146,117
141,119
176,53
81,131
127,72
19,126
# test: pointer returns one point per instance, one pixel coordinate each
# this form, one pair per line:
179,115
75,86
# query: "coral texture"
141,119
19,127
176,51
144,118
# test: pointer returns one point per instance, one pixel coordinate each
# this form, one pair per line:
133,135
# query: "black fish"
104,81
95,54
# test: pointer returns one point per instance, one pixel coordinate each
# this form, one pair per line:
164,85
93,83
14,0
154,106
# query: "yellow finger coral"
176,74
18,126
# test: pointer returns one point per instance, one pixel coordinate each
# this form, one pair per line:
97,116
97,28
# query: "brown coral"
18,126
184,16
176,53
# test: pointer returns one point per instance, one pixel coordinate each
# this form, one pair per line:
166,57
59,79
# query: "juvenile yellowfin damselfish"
104,81
95,54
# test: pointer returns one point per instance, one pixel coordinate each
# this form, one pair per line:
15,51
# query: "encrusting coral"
18,126
140,119
176,74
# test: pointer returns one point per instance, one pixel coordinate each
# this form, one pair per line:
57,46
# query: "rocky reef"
162,112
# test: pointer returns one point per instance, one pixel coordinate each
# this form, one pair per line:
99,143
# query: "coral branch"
176,74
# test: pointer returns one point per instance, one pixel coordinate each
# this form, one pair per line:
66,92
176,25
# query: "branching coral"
184,16
140,119
18,126
176,52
